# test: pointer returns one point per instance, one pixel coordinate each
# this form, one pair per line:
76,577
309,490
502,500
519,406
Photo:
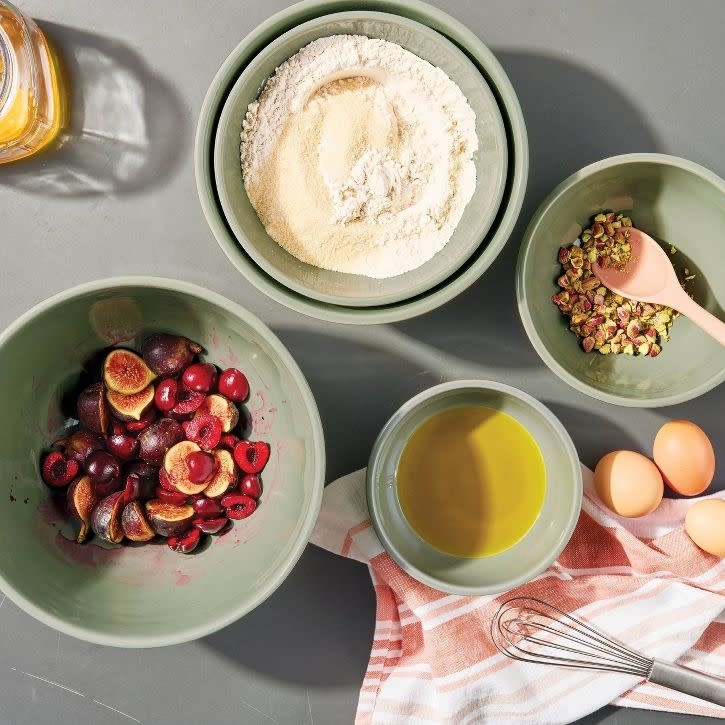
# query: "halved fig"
156,440
106,518
168,519
220,407
92,409
81,500
125,372
135,524
177,469
168,355
226,475
131,407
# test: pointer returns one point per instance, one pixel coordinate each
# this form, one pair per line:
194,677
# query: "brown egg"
628,483
705,525
685,457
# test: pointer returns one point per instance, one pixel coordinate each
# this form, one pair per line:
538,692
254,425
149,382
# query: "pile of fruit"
155,452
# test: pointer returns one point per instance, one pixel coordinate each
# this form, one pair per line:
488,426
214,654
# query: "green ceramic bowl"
149,595
348,289
514,188
675,201
536,551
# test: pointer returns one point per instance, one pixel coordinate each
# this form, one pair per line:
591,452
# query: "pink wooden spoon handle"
700,316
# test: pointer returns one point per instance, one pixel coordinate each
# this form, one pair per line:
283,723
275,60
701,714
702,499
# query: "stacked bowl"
501,161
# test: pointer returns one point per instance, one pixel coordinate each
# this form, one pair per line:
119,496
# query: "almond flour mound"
358,156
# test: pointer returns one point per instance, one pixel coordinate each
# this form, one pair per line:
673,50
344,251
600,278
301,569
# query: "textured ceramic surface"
148,596
517,155
349,289
518,564
676,202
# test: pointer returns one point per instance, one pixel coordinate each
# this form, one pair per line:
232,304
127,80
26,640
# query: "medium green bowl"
517,153
349,289
675,201
147,596
535,552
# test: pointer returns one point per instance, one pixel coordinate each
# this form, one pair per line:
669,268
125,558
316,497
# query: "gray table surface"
594,79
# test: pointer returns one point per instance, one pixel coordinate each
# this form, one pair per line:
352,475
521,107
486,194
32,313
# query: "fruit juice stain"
471,481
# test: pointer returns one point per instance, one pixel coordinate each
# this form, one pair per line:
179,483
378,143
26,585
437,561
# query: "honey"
31,104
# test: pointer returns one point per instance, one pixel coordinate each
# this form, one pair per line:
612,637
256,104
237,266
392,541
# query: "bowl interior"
518,161
347,289
527,558
148,595
676,202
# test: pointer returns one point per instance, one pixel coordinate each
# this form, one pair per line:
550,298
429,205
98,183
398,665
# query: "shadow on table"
593,434
316,630
126,128
573,117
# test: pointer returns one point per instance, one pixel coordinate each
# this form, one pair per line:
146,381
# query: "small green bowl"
677,202
349,289
147,596
517,154
535,552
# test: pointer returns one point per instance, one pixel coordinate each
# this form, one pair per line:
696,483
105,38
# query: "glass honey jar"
31,108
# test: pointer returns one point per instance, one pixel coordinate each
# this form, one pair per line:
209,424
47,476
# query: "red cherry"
238,506
136,426
210,526
57,470
165,481
165,397
122,446
188,401
132,488
173,497
229,441
201,466
102,467
206,430
251,486
233,384
200,377
207,508
185,543
251,456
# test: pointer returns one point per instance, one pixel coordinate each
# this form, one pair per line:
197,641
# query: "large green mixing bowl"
678,203
144,596
513,194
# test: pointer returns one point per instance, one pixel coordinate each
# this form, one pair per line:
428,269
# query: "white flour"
358,156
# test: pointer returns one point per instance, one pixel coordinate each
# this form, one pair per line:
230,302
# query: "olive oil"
471,481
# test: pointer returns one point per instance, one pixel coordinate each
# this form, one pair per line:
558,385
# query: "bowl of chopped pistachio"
619,350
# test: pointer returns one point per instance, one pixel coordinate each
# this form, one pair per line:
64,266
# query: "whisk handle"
688,681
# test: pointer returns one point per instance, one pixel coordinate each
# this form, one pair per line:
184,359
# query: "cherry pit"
158,451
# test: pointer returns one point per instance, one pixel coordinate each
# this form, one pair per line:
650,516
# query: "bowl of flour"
360,159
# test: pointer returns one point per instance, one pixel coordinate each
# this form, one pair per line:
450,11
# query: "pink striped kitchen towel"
432,658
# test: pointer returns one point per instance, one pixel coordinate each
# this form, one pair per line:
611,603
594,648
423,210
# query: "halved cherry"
251,456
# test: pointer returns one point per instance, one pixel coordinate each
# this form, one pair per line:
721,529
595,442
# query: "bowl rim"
509,106
568,447
484,223
523,302
184,634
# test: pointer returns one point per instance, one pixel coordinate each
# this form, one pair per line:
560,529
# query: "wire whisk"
531,630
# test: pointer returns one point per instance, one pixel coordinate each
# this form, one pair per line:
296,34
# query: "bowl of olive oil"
474,487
